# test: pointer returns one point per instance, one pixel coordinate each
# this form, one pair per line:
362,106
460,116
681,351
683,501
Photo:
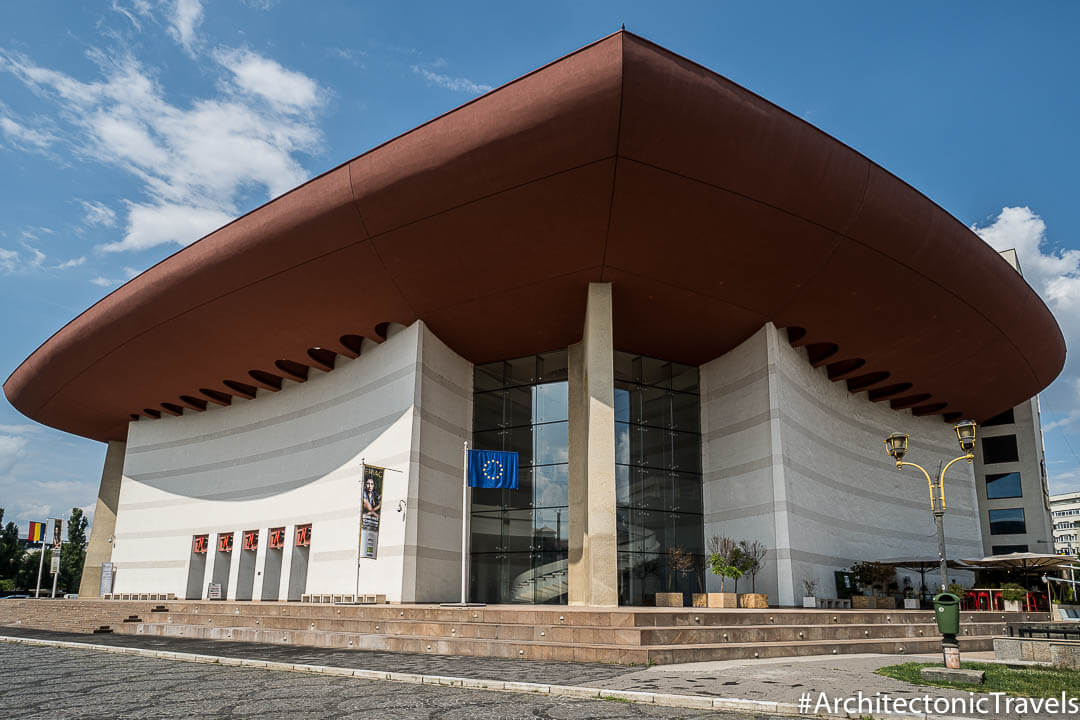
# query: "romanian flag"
37,532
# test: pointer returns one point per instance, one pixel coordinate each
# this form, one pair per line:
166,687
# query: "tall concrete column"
593,577
99,549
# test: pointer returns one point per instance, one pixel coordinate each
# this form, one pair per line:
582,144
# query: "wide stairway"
625,635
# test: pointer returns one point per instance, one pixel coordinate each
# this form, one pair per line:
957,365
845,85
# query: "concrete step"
579,633
548,650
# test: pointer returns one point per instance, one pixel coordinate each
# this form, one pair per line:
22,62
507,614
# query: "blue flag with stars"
493,469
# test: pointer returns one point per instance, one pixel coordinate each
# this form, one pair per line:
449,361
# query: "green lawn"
1025,682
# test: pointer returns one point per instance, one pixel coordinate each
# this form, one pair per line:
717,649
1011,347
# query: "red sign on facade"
201,544
251,539
224,542
277,538
303,535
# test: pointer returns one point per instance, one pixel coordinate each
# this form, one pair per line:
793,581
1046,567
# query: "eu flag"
493,469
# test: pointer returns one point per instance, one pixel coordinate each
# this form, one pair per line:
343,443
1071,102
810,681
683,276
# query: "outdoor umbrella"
1023,561
922,564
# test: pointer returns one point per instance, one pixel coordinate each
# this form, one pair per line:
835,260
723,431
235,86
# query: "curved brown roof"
710,210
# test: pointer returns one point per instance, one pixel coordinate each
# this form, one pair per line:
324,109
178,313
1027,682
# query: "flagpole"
360,529
464,513
41,565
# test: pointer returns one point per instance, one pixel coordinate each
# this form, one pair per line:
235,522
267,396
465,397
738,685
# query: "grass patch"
1023,682
612,698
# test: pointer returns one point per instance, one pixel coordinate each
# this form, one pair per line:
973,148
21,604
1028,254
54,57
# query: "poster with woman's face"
371,510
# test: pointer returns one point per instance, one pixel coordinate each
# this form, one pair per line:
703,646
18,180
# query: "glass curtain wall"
658,478
519,537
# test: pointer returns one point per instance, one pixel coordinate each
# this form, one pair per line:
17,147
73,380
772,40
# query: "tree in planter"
680,563
809,586
1013,592
873,575
754,552
726,560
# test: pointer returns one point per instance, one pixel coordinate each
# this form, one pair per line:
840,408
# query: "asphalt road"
45,682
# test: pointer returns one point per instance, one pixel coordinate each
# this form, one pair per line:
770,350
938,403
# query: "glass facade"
519,537
657,478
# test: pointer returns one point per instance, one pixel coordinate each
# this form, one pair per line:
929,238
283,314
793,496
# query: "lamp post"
896,445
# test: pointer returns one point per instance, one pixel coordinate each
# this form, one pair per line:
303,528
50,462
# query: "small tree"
1013,592
73,553
755,553
726,560
809,586
10,551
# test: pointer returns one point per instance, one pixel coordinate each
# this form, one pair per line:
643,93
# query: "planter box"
754,600
809,602
1011,605
700,600
886,603
718,600
911,603
863,602
669,599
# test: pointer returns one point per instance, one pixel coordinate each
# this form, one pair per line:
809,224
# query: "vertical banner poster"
58,533
106,578
371,511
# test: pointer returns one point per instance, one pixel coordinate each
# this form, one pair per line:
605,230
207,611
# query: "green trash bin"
947,612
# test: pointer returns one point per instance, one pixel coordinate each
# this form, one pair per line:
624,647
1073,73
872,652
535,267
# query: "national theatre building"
690,312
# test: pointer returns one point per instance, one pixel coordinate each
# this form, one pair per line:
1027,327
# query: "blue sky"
130,128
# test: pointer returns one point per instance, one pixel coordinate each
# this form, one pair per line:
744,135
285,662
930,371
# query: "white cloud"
19,429
1054,273
9,260
150,225
72,263
139,8
103,281
457,84
97,213
185,18
12,449
197,162
30,258
24,137
287,91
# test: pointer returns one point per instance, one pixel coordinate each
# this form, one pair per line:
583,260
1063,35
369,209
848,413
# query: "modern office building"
1010,475
1065,512
690,312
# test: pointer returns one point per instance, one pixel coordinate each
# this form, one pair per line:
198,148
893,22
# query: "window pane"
1006,549
622,485
489,440
551,403
1008,521
622,404
624,366
686,412
552,529
486,532
622,444
552,366
687,491
521,371
684,378
655,372
519,406
488,377
517,530
686,449
655,407
552,443
999,449
1005,485
488,410
550,486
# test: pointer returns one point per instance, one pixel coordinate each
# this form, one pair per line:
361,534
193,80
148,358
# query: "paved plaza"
48,681
45,682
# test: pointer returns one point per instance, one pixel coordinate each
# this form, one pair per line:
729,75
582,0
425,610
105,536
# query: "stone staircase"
625,636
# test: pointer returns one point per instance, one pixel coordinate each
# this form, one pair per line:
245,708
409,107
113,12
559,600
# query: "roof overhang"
709,209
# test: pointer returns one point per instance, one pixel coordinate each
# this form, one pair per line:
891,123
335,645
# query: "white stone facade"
294,457
795,461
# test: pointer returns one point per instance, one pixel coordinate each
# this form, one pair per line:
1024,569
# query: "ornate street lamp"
896,445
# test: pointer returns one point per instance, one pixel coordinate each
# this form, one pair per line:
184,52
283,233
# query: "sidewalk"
771,685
